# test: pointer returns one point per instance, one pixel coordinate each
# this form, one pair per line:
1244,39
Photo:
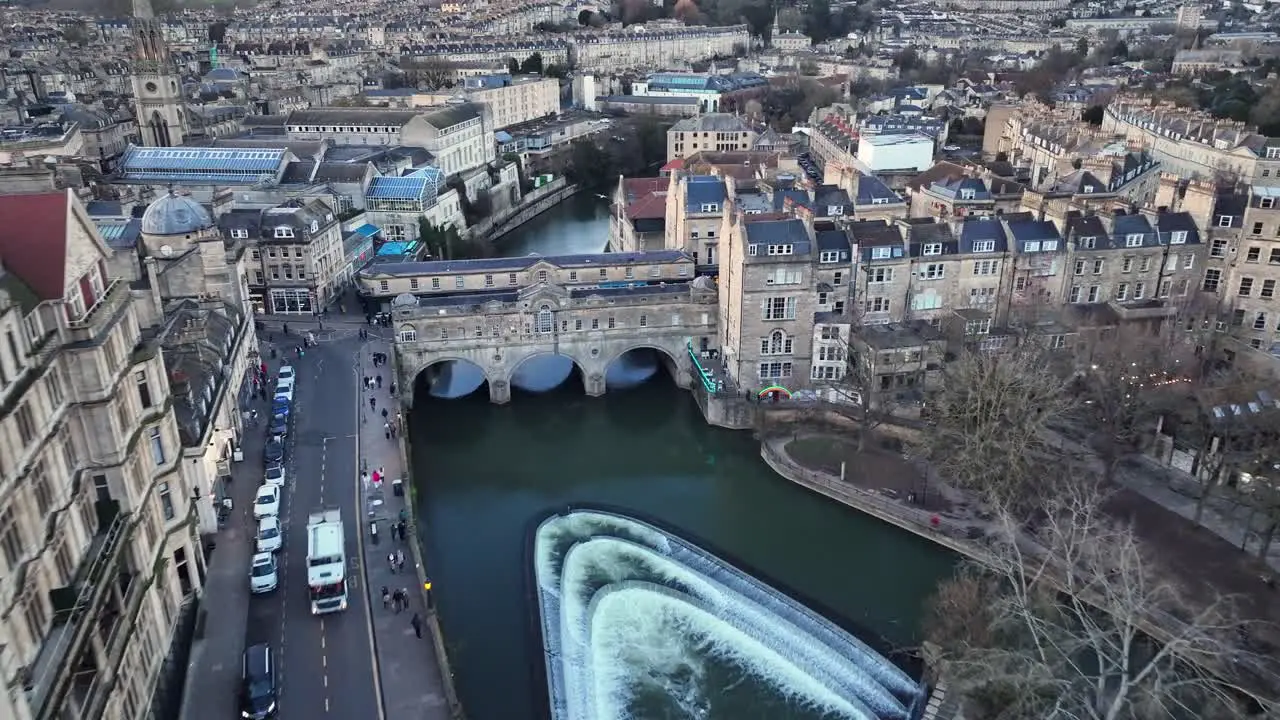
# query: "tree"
1093,114
989,424
217,32
1050,626
589,165
556,71
513,66
432,72
532,64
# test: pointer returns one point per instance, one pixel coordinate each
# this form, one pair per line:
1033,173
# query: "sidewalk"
408,668
211,689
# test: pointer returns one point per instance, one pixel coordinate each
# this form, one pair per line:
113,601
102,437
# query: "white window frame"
282,232
1089,242
1032,246
881,253
829,256
933,271
407,336
1178,237
931,249
1224,221
984,246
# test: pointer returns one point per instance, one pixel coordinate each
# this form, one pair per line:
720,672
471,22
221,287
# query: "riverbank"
533,204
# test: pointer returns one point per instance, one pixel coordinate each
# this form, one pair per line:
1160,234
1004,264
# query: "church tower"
157,90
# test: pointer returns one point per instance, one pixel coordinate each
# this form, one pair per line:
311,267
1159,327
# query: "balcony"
54,671
1144,310
86,327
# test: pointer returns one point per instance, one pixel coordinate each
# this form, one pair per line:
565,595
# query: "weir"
628,609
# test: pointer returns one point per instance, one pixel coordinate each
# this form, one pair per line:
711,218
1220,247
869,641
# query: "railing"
47,688
106,303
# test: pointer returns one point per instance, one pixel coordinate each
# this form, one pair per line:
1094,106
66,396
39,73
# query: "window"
1260,321
1094,293
932,249
54,384
1049,246
1178,237
644,321
837,279
784,249
1133,240
1146,265
545,322
284,232
710,207
1079,267
1266,203
157,446
1212,278
985,267
1253,254
413,283
573,276
577,324
967,193
784,276
409,335
144,389
459,283
41,490
1074,295
1057,342
10,539
933,271
613,322
1224,221
1033,246
878,305
982,296
774,370
1218,248
1268,289
879,275
978,327
166,501
1246,287
26,424
780,308
542,276
383,285
984,245
829,256
595,323
1139,291
1097,266
241,234
1089,242
1126,265
778,343
1122,292
604,273
1257,229
881,253
488,280
1188,261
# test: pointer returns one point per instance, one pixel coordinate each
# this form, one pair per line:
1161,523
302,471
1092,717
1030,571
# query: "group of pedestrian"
395,560
399,530
398,598
379,359
371,383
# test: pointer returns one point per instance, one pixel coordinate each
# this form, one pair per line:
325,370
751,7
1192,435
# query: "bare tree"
989,424
1051,626
431,72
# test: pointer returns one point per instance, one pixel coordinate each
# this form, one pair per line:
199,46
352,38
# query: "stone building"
719,132
97,518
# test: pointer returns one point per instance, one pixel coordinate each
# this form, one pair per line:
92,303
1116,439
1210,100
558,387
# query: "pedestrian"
384,413
286,328
381,472
393,389
416,622
391,561
386,598
386,429
400,559
366,382
400,530
378,379
364,478
373,403
398,598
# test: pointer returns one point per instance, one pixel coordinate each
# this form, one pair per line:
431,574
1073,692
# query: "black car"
274,450
258,683
279,425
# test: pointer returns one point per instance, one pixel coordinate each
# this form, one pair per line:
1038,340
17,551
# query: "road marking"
326,679
326,705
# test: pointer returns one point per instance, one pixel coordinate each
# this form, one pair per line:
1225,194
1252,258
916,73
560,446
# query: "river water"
487,474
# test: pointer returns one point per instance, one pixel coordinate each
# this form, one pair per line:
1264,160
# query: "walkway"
413,686
212,685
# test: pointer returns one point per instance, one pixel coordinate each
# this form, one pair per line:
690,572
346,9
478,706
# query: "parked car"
270,539
284,391
274,475
279,425
286,373
263,573
281,407
273,452
267,501
258,683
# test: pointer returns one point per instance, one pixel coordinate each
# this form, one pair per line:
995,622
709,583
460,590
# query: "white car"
274,475
270,539
284,389
286,373
267,502
263,576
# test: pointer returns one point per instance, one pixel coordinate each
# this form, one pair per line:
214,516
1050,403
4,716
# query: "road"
324,662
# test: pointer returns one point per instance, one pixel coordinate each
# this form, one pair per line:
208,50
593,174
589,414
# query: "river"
488,473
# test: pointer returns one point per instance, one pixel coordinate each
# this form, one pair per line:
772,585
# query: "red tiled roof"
648,206
674,164
33,240
638,187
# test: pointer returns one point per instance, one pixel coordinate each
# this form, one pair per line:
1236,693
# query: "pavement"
410,671
325,663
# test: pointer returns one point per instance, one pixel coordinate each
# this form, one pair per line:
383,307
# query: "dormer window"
1178,237
835,210
1033,246
1273,153
283,232
984,245
315,226
932,249
1266,203
829,256
1133,240
239,234
1089,242
881,253
967,194
1224,221
784,249
1088,189
710,207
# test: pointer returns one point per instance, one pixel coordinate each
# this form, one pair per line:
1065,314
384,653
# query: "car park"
258,683
264,575
270,539
267,501
274,475
273,451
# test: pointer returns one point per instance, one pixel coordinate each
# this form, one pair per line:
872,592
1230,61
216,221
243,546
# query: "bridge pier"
594,384
500,392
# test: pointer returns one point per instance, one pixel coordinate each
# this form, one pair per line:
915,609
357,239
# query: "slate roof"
872,188
982,229
380,117
1030,235
704,190
922,231
1178,222
1125,225
443,267
1089,226
452,115
778,232
308,171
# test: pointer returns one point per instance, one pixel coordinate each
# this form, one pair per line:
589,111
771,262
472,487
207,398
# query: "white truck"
326,562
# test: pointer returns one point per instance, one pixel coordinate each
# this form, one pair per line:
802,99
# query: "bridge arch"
515,363
672,356
436,362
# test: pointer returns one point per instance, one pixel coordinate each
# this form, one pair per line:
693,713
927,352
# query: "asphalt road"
325,661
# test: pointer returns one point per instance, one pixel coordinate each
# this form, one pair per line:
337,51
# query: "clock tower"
157,89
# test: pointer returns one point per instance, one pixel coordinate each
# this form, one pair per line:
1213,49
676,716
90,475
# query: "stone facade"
593,329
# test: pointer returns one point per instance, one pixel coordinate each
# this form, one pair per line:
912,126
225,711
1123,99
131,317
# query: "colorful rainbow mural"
775,389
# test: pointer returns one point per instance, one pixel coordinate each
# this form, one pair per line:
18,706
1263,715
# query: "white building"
881,153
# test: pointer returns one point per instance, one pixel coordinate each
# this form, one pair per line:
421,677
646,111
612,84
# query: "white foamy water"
628,611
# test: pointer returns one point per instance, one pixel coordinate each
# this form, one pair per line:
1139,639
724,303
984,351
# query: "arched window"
545,321
778,343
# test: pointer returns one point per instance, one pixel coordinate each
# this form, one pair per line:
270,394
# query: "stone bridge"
591,326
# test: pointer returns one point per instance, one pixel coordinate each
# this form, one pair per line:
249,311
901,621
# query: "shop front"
292,301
